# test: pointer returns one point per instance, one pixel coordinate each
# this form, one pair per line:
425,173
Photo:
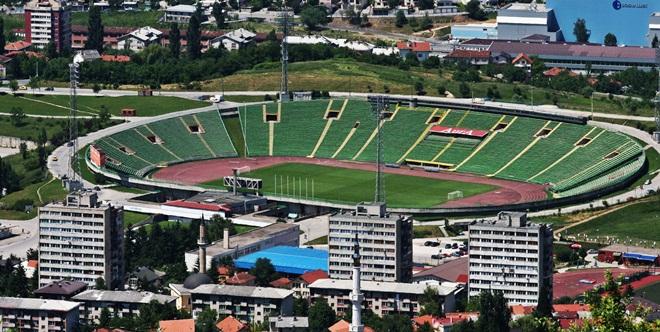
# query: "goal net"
455,195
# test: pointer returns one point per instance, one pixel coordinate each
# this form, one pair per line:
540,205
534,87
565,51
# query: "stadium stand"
570,158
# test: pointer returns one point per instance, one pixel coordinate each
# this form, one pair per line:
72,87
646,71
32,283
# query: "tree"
429,302
610,40
51,50
419,88
96,88
321,316
34,83
206,321
13,85
194,35
426,4
23,150
175,40
425,328
654,42
100,284
219,13
95,27
474,10
426,22
464,90
17,116
300,307
104,115
264,272
393,3
580,31
401,19
104,318
313,16
494,312
2,34
395,323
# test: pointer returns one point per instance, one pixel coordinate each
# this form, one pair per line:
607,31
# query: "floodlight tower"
284,85
379,105
73,183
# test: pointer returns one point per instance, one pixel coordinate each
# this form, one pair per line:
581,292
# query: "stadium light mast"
284,85
72,183
378,108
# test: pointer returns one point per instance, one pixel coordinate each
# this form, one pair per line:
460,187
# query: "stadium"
439,157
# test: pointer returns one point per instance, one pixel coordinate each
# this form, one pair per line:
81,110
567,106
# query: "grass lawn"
654,160
318,241
426,231
30,127
244,99
89,105
135,18
50,191
650,292
637,222
129,190
353,186
555,221
132,218
240,229
351,75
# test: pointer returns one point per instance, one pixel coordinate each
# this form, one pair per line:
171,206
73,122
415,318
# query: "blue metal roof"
638,256
291,260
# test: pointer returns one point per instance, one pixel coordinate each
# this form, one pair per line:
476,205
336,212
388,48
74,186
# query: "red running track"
508,192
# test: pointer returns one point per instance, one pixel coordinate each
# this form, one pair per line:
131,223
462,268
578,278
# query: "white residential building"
119,303
233,40
81,239
385,244
511,255
38,315
247,303
139,39
179,13
382,297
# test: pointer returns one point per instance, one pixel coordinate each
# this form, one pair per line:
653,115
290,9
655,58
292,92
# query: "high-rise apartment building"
81,239
385,244
48,21
511,255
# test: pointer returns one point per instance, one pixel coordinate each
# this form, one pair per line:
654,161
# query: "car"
22,87
50,88
217,99
447,246
592,252
454,245
435,244
428,243
54,158
435,257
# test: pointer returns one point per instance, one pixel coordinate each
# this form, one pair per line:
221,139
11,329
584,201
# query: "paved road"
19,245
551,109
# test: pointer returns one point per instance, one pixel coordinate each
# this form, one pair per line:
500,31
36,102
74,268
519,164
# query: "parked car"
50,88
447,246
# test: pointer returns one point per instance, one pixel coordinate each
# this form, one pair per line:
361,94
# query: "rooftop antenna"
73,183
284,85
379,105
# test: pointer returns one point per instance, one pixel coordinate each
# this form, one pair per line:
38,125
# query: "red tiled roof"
33,263
343,326
181,325
30,54
414,46
570,307
231,324
522,56
311,276
519,309
555,71
115,58
17,46
565,323
197,206
224,270
241,278
462,278
468,54
281,282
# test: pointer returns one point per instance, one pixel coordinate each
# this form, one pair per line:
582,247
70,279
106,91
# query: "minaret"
201,242
356,295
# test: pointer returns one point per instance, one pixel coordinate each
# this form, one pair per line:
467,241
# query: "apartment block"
48,21
119,303
511,255
38,315
81,239
385,244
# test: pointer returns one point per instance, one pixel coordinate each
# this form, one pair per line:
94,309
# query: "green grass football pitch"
351,186
650,292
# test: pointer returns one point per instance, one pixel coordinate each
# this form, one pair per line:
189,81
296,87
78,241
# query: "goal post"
455,195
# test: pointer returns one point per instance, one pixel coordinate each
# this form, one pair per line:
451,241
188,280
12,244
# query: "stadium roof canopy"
291,260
